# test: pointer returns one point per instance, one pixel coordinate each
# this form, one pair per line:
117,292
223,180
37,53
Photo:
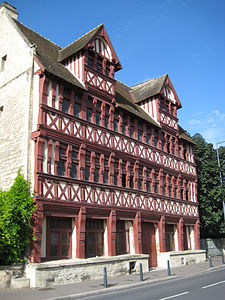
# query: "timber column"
162,234
81,233
137,233
112,233
197,235
180,229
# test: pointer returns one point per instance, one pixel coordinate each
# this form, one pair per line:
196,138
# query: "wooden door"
149,243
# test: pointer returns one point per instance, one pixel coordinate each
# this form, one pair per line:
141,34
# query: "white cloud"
211,126
194,122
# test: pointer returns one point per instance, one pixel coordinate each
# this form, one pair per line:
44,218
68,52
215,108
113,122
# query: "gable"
169,92
97,39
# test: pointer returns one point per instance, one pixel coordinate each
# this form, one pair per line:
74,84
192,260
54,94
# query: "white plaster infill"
179,258
75,270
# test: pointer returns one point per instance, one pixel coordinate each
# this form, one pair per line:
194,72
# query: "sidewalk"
96,287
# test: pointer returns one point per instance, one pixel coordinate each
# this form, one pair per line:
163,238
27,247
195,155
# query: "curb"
128,286
114,289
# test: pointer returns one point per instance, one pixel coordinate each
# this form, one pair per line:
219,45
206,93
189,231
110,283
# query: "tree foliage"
209,188
16,209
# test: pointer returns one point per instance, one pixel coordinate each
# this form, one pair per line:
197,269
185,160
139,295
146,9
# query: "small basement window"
1,111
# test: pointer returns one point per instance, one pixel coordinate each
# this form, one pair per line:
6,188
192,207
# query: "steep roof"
47,54
78,44
148,88
183,135
124,100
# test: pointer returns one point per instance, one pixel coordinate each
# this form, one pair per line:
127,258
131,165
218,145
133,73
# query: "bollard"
141,272
105,278
223,262
210,261
168,268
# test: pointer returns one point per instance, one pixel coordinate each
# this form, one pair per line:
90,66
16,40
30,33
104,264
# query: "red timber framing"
95,160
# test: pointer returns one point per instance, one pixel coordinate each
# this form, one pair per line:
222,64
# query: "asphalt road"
208,286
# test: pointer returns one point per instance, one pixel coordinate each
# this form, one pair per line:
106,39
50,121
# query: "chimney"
9,9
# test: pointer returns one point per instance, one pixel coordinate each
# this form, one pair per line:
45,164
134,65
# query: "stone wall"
15,101
180,258
68,271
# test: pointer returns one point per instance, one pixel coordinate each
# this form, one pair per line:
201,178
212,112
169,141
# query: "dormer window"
99,65
107,70
91,59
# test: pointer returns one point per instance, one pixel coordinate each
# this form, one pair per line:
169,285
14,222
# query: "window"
169,230
99,65
76,110
96,171
94,237
106,120
91,59
148,183
140,178
121,238
65,106
156,183
116,171
106,171
89,109
116,121
62,162
107,70
87,166
131,131
73,171
148,138
66,100
98,117
3,62
59,237
164,186
155,141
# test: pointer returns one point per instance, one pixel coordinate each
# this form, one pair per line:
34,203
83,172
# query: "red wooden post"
137,233
180,228
81,233
197,235
162,234
112,233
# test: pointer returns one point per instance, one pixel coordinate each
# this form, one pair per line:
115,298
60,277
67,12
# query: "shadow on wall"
213,247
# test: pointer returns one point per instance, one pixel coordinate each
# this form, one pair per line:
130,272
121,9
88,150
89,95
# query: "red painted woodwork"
78,128
112,233
197,235
110,142
180,229
149,243
81,233
137,233
162,234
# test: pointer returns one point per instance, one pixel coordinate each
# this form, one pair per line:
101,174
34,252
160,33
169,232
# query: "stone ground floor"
88,232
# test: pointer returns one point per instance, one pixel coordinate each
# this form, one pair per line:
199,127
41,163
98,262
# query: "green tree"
16,209
209,189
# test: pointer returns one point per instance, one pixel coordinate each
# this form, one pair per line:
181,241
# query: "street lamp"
221,176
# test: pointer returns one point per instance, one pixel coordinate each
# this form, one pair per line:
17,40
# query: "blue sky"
184,38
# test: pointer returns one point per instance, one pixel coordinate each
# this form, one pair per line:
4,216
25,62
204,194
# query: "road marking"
205,287
174,296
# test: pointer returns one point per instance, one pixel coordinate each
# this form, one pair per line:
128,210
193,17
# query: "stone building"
112,171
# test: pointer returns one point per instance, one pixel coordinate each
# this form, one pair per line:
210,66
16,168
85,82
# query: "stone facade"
16,81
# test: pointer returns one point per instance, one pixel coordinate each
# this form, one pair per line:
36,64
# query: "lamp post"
221,176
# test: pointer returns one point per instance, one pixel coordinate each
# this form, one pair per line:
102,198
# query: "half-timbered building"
113,172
